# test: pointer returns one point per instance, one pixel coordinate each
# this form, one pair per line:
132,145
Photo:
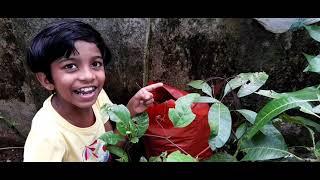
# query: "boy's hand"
142,99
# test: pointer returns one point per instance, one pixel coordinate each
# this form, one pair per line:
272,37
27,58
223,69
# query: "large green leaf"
200,84
277,106
177,156
220,125
123,157
314,63
300,120
142,124
221,157
248,114
249,82
182,115
264,147
314,31
119,113
111,138
241,130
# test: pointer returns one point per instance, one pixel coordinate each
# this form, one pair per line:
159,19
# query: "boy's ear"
42,78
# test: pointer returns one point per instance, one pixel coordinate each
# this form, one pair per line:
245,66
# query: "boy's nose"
86,75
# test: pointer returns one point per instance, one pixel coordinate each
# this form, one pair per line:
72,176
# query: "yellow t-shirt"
52,138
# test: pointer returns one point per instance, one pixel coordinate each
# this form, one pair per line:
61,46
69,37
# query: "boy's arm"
142,99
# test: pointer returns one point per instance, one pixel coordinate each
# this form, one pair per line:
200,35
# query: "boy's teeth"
85,90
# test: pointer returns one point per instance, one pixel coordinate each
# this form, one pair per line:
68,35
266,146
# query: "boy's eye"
70,66
97,64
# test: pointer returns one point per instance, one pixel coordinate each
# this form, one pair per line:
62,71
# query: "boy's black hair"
57,41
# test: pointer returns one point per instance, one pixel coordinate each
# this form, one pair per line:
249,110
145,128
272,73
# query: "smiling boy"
69,58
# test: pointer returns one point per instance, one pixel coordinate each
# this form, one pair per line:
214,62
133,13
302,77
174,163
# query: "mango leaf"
119,113
317,150
241,130
300,120
249,82
264,147
111,138
248,114
206,99
197,84
277,106
207,89
269,93
220,125
314,31
177,156
316,109
123,157
182,115
142,124
161,158
221,157
314,63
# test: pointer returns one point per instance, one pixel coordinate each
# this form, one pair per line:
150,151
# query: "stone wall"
177,51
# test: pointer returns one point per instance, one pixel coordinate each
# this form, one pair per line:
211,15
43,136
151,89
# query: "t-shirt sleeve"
101,101
43,148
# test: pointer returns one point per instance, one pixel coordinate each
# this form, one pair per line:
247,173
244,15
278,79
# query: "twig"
5,148
167,138
202,151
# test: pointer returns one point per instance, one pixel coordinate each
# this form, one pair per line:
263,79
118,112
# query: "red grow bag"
193,138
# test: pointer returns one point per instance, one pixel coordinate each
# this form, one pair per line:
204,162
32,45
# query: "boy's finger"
153,86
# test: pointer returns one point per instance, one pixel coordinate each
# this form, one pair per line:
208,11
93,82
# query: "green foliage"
111,138
220,125
182,115
249,82
314,32
221,157
177,156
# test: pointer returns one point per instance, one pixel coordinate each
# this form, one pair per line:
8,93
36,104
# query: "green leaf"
249,82
277,106
314,63
314,31
316,109
256,80
317,149
142,124
241,130
221,157
155,159
270,93
264,147
143,159
182,115
197,84
119,113
220,125
206,99
177,156
300,120
122,128
207,89
118,152
248,114
111,138
134,140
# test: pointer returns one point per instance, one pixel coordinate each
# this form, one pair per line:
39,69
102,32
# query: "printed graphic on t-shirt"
96,151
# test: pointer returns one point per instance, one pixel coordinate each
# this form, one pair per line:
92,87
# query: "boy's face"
79,79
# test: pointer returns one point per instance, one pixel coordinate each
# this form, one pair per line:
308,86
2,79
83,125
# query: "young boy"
68,58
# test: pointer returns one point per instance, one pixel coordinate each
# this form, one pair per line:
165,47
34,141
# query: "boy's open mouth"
85,90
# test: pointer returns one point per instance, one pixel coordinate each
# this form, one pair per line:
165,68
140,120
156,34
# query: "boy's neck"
76,116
